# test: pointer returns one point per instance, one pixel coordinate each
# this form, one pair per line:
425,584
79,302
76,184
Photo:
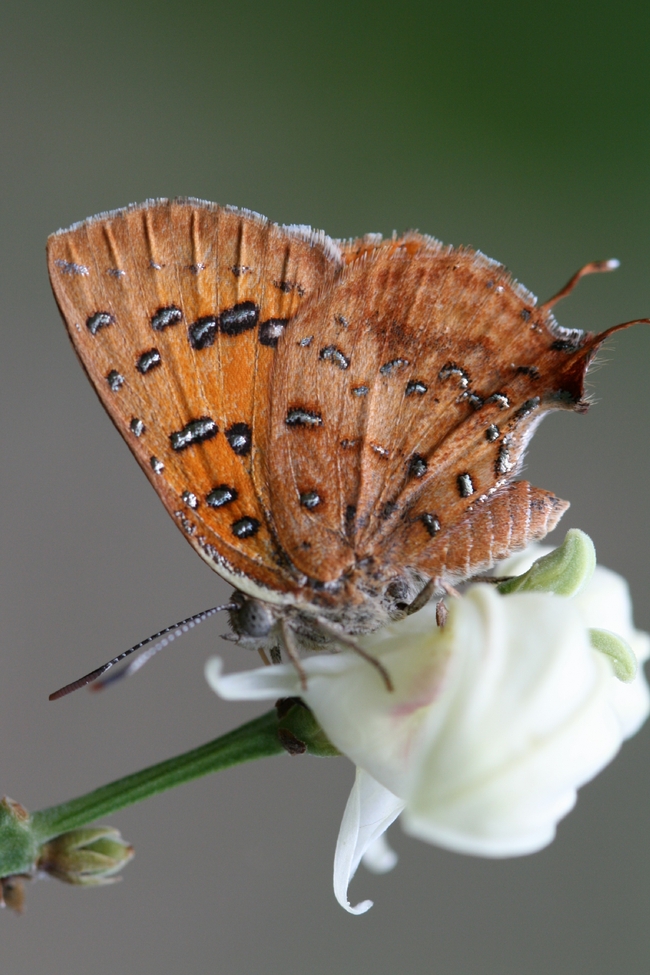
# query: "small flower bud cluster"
87,857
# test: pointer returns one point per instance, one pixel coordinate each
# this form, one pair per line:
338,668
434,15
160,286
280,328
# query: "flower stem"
256,739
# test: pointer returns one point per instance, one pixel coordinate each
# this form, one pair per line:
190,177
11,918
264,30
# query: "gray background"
521,129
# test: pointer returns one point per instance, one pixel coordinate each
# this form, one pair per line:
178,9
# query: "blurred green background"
520,129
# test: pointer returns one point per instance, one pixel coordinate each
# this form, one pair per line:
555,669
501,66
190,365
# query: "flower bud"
565,571
620,653
87,857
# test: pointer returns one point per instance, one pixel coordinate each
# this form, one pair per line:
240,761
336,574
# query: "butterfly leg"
450,590
292,652
441,613
346,641
422,597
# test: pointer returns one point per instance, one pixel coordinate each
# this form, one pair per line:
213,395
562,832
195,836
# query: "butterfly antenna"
595,267
168,634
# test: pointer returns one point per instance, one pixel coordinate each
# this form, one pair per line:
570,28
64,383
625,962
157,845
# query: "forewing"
175,309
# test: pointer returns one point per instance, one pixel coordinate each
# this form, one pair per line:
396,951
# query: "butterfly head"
250,618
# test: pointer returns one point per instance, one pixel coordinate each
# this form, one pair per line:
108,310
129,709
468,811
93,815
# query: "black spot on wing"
221,495
101,319
299,417
465,485
240,318
245,527
194,432
417,466
390,367
431,523
203,332
271,330
334,355
165,317
310,499
148,360
115,380
239,436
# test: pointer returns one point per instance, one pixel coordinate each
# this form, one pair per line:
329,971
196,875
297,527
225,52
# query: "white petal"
380,857
605,604
375,727
525,719
261,684
369,812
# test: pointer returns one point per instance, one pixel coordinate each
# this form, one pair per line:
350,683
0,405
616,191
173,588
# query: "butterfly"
335,426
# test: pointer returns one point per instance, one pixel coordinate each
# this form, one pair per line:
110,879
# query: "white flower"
605,604
493,724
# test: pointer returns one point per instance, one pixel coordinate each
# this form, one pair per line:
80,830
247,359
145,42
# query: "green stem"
257,739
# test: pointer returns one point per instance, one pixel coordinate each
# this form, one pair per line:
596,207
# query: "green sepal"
565,571
299,731
620,653
18,845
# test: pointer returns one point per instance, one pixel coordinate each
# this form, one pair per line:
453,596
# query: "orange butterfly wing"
403,413
319,417
175,309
